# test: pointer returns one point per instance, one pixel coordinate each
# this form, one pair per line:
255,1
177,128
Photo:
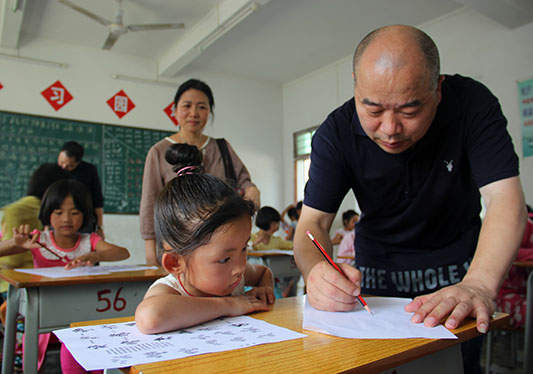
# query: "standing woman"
194,105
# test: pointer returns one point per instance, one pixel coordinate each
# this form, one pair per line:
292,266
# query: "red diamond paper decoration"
121,104
1,86
57,95
169,111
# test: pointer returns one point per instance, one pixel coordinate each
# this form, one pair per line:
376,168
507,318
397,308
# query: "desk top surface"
24,280
314,353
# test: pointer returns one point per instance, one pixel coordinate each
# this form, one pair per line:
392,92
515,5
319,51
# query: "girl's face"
215,269
350,225
67,219
192,110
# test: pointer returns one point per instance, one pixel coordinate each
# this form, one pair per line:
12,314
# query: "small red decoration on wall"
169,111
57,95
1,86
121,104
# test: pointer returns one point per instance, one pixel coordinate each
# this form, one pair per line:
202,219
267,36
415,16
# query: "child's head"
349,219
58,193
194,206
293,214
299,209
43,177
267,219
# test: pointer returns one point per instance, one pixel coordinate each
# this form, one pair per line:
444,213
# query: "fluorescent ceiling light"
144,80
37,61
228,25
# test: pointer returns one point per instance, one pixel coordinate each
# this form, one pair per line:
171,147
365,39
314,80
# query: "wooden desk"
528,337
316,353
53,303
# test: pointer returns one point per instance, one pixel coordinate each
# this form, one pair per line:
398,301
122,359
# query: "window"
302,161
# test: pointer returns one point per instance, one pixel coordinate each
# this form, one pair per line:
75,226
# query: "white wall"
469,43
247,112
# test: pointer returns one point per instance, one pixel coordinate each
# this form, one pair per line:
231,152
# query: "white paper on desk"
389,321
60,272
119,345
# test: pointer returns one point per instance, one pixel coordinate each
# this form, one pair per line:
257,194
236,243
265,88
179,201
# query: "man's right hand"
329,290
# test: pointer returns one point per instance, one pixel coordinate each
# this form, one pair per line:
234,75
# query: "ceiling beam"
11,14
218,21
510,13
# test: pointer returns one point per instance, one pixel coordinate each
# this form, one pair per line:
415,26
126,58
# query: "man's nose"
390,125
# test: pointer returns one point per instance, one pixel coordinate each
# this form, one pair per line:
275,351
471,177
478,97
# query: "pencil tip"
368,309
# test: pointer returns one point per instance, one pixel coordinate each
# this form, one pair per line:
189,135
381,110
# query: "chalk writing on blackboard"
118,152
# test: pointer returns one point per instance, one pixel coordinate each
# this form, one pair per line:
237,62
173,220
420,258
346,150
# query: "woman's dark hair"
192,206
73,149
347,216
43,177
58,191
197,85
265,216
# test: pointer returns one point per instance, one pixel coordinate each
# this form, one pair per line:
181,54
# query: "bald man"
418,149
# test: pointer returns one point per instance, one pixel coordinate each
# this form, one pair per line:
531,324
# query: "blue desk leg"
10,330
31,328
528,349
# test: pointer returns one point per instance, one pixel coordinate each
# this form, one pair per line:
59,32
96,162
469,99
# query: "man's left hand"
455,303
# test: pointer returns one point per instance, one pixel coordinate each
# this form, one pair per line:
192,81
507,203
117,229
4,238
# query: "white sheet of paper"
389,321
119,345
60,272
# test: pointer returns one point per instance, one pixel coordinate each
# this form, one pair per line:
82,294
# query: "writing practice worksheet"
122,344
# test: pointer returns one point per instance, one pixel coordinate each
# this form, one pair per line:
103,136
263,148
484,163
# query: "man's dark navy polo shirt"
420,209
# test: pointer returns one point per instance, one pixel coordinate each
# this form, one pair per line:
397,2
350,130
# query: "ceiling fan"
117,28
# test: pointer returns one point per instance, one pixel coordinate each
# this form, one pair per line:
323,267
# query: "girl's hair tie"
186,170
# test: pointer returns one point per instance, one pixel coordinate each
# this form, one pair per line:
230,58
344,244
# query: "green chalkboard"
118,152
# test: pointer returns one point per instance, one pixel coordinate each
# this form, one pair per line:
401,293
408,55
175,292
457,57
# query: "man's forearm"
305,252
500,236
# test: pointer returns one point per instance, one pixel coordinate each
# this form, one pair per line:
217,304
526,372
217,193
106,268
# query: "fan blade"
157,26
93,16
110,41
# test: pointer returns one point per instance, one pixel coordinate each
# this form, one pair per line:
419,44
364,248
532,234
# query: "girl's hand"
240,305
23,237
265,294
86,260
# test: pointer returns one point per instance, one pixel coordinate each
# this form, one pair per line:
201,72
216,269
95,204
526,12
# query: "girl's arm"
19,243
9,247
103,251
261,278
163,309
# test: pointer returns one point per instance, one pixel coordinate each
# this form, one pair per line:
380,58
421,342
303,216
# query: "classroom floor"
501,361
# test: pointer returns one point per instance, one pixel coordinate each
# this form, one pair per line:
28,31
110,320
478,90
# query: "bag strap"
228,164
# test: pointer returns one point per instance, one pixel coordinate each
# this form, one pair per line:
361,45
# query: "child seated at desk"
267,220
66,207
349,219
202,228
512,296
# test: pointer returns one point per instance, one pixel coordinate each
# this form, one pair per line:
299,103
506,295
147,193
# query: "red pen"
330,260
48,249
